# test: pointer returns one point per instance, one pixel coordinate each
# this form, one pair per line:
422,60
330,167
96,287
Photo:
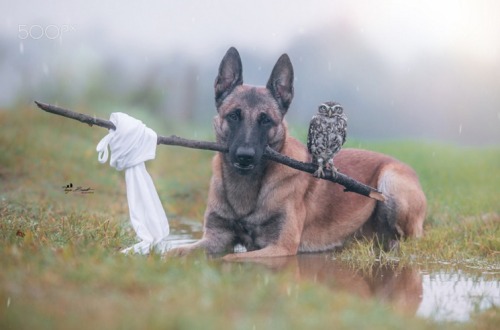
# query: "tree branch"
349,183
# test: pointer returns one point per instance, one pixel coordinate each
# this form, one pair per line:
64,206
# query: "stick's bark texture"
349,183
174,140
75,115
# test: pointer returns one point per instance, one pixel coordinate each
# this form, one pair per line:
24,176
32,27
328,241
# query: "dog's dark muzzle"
245,159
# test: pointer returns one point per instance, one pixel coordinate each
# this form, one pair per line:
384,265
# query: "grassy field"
61,269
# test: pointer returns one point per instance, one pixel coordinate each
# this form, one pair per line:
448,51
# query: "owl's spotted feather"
327,134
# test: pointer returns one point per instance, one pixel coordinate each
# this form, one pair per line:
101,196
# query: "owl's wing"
343,128
311,135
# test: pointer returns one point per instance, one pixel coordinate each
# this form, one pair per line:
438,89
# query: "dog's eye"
234,116
264,119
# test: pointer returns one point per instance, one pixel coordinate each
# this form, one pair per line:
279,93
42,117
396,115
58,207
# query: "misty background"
408,69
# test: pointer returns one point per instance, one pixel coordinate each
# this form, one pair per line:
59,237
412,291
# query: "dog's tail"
403,212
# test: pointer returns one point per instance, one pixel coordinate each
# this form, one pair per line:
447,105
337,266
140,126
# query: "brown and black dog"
274,210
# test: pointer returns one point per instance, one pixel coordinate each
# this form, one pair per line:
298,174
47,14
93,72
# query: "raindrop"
460,129
21,51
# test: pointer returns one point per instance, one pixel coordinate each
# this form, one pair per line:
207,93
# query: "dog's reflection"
399,286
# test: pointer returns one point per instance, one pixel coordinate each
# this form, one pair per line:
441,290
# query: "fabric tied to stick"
131,144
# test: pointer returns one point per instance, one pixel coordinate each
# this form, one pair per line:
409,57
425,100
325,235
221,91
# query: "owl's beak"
330,112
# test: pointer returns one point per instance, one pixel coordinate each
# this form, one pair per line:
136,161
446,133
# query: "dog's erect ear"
230,75
281,82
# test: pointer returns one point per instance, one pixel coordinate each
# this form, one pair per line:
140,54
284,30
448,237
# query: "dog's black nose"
245,155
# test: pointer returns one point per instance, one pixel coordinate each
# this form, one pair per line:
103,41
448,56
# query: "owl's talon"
331,167
319,172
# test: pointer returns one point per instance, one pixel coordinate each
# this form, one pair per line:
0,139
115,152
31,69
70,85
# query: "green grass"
61,267
462,186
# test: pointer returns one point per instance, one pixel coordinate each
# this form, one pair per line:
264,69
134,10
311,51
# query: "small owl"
327,134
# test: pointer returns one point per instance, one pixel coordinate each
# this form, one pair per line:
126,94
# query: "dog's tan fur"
274,210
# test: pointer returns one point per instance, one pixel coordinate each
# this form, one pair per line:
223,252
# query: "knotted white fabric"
131,144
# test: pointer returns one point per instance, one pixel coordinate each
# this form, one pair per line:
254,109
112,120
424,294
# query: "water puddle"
452,295
439,293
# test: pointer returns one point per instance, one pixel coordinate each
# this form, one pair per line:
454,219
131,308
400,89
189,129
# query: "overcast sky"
376,46
399,29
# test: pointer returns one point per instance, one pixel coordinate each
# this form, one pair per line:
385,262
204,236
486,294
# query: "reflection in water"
454,295
400,286
450,295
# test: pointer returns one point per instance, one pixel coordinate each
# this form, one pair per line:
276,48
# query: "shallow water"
440,292
455,294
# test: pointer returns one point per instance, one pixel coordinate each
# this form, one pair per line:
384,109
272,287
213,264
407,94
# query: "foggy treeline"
435,96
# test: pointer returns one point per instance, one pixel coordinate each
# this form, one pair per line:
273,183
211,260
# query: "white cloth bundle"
131,144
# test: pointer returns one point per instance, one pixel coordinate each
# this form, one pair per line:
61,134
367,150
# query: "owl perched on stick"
327,134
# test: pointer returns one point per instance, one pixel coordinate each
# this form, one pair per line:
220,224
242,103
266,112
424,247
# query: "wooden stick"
349,183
